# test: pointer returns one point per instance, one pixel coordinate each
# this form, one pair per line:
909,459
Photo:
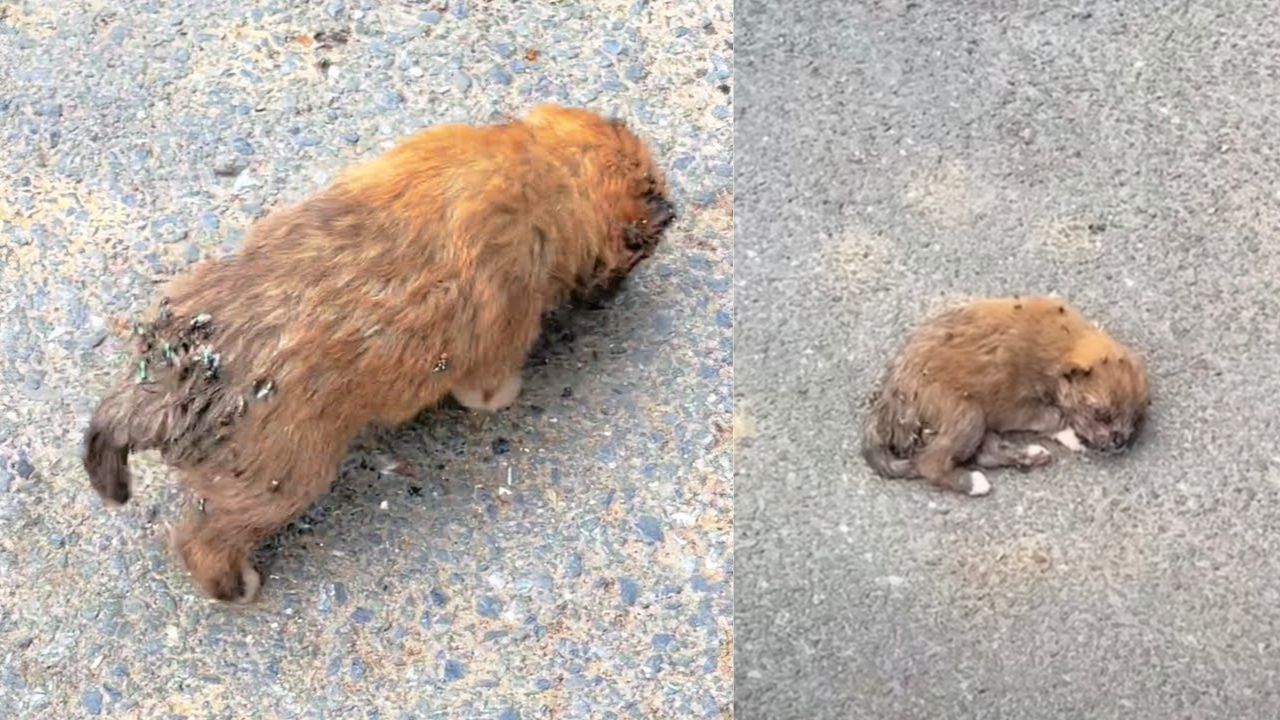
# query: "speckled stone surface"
571,557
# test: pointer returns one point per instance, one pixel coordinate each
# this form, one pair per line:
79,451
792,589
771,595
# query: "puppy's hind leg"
955,443
217,542
214,546
998,452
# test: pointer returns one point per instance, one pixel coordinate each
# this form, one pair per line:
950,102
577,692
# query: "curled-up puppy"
422,273
991,367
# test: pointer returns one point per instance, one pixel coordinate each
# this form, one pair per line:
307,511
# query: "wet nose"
662,214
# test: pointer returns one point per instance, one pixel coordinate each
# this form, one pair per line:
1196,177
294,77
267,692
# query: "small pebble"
454,670
92,701
500,76
23,467
489,606
390,99
650,529
629,591
229,165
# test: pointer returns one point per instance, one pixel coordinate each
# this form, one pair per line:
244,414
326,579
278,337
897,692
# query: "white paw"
1036,452
506,393
978,484
1069,440
498,399
252,584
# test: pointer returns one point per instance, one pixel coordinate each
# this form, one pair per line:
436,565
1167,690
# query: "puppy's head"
1103,393
629,187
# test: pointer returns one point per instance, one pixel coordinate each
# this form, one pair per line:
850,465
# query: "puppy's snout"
1113,441
662,214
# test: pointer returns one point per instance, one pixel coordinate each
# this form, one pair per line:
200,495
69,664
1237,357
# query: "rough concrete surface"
896,155
569,558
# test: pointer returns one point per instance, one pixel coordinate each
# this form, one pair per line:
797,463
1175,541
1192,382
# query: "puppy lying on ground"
1001,366
422,273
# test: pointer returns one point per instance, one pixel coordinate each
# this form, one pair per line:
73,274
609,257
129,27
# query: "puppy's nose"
663,213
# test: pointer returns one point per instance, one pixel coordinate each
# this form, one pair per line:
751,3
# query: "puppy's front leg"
997,452
1068,439
490,399
1048,421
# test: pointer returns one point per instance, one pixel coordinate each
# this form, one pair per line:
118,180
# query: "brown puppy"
999,366
421,273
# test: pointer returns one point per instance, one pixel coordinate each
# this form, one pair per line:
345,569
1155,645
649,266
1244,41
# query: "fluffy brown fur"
421,273
1000,366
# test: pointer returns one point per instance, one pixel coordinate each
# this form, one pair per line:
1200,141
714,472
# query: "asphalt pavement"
568,558
895,156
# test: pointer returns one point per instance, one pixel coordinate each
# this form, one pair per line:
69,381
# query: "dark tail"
109,440
879,432
106,460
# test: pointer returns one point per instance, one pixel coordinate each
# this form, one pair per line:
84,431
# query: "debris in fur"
442,364
210,360
263,389
201,320
142,371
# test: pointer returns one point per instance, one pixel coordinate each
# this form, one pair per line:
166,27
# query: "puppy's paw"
492,400
1035,456
236,587
252,583
978,484
1069,440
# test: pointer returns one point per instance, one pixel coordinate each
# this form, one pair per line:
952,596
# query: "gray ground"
569,558
892,156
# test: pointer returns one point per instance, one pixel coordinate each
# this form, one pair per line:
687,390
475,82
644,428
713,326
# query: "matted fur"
422,272
996,366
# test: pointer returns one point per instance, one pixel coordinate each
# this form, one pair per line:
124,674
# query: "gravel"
479,579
